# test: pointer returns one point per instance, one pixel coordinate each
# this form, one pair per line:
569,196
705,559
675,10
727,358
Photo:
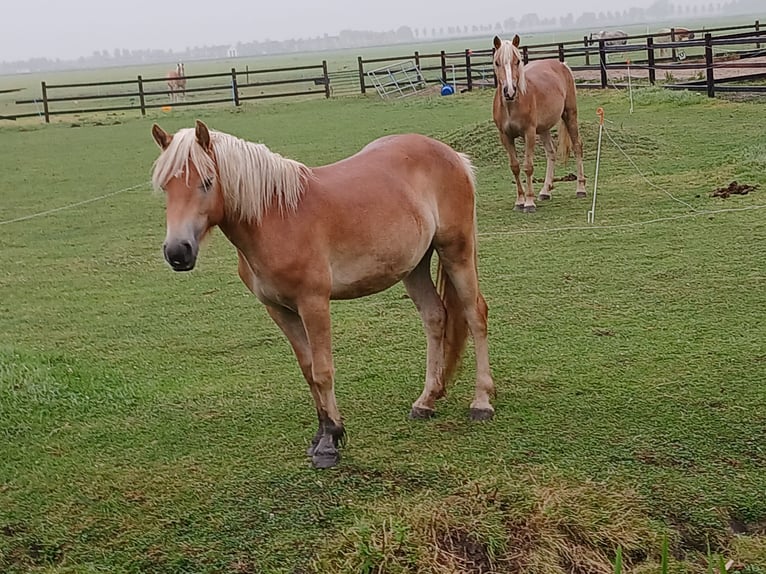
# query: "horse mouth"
181,266
509,98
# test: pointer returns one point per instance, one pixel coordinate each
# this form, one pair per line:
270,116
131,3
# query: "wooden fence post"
757,29
45,103
417,59
673,55
650,60
525,54
602,62
141,97
494,73
561,52
361,75
468,73
444,66
326,79
709,65
234,87
587,50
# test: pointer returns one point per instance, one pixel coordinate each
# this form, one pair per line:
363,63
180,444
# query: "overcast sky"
68,29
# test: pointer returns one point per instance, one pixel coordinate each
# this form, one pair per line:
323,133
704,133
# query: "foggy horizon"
76,28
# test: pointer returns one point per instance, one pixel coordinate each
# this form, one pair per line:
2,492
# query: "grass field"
157,422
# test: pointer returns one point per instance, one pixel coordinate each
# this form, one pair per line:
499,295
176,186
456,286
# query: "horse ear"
497,42
516,40
162,137
203,135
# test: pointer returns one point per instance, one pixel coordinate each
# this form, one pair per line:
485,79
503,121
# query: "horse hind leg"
462,295
550,157
421,289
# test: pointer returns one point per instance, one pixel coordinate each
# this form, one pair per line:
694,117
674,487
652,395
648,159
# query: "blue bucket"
447,90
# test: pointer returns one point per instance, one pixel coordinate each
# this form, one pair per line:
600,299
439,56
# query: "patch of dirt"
457,549
568,177
733,188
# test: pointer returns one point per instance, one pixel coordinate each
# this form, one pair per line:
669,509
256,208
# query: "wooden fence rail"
137,96
648,53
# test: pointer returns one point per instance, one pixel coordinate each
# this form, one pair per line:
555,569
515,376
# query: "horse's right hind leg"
420,287
459,262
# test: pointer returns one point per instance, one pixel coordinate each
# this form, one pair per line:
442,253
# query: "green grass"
156,422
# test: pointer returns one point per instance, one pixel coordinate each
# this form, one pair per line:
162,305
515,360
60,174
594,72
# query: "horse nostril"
186,247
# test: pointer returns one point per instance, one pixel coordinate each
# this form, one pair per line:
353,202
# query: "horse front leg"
510,147
529,169
550,165
314,313
292,326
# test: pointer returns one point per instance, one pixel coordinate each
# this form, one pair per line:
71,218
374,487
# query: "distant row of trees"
530,22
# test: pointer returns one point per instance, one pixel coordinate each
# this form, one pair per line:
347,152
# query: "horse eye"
207,183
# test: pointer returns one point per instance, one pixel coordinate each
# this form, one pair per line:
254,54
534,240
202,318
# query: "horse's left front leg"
315,314
529,169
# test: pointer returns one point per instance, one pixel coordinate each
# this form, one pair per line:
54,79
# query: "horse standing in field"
177,83
530,99
666,35
610,37
306,235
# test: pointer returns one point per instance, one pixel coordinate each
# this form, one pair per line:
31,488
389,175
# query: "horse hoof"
518,207
482,414
582,194
421,414
325,459
544,196
529,209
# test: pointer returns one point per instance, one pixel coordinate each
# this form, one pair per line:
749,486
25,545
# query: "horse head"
186,171
509,67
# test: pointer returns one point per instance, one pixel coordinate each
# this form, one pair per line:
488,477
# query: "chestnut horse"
177,82
668,35
529,101
307,235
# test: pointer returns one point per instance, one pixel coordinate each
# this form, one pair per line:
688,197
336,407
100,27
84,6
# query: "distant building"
231,52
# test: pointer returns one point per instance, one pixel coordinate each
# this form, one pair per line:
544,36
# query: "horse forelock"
252,177
175,159
506,52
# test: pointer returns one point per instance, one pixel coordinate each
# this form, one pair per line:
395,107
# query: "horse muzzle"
508,96
181,255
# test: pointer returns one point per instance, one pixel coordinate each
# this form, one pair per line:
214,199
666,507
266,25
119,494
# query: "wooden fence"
643,56
147,93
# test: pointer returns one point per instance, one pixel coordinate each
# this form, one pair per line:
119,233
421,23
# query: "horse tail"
455,325
565,143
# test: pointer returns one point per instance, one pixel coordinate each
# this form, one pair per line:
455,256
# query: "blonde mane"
252,177
506,51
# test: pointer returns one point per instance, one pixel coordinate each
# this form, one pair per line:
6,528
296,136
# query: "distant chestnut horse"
306,235
177,83
529,101
668,35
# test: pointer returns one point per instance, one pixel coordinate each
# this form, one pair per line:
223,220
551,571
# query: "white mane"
252,177
505,53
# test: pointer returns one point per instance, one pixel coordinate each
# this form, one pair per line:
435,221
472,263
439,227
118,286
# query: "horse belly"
380,266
